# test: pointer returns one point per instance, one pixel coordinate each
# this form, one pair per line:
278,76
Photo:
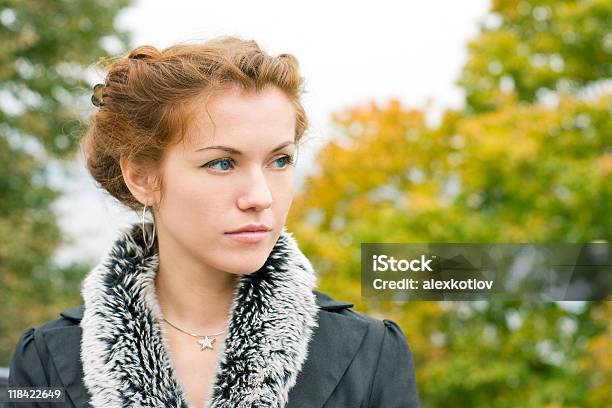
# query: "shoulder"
67,318
344,310
379,334
332,310
30,358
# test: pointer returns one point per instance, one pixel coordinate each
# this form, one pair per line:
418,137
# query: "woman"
212,304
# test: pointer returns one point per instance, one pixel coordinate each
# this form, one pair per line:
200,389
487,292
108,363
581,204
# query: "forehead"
240,117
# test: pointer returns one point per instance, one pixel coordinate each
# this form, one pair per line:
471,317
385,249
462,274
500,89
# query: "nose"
257,194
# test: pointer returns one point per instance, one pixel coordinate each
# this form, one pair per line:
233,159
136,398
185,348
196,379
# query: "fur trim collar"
125,362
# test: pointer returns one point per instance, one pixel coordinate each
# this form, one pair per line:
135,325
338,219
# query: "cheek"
283,194
283,197
189,194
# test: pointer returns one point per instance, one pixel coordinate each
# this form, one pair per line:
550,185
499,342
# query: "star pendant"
206,342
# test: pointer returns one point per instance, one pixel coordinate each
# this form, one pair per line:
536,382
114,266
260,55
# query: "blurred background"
439,121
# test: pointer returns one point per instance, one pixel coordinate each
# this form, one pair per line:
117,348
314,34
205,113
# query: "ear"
140,181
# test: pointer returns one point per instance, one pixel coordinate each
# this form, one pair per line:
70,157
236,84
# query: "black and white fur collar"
124,355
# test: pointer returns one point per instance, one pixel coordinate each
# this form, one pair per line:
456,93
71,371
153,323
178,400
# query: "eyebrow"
237,152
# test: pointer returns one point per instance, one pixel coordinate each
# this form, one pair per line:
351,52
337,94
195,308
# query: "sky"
350,53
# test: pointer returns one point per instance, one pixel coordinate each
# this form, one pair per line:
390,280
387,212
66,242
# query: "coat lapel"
123,352
320,376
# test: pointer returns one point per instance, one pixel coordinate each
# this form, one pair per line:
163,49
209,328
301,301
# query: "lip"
249,237
251,228
250,234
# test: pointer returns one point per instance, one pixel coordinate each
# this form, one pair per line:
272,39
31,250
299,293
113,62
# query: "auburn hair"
144,103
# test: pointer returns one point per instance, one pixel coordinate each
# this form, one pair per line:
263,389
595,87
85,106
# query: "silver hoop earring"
144,238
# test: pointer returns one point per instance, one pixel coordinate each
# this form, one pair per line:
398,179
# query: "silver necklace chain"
193,334
206,341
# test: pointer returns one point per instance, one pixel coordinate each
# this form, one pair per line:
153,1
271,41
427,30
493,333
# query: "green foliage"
46,48
528,47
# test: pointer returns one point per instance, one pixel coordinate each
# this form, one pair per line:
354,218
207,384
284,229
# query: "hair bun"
144,52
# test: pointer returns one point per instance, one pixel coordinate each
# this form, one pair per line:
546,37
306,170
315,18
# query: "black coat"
337,358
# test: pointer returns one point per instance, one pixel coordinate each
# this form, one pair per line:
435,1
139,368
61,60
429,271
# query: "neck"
191,296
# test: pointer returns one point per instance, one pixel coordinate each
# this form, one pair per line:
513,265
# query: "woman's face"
242,176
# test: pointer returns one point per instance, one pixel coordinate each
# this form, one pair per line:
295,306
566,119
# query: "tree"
529,49
46,49
510,167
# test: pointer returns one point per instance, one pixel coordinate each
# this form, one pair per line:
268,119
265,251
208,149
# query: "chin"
246,264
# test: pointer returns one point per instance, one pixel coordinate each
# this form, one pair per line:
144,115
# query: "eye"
225,164
285,160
